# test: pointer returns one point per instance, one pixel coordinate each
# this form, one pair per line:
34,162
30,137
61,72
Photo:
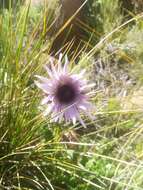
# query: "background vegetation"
38,155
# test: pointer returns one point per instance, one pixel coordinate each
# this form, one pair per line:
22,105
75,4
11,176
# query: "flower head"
66,94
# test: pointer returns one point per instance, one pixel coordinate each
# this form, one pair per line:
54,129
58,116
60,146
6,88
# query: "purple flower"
66,94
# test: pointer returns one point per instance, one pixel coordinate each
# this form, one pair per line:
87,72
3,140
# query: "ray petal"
60,62
48,71
48,110
81,121
46,100
43,79
43,86
66,64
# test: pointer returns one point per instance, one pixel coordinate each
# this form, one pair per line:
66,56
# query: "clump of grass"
36,154
33,155
27,158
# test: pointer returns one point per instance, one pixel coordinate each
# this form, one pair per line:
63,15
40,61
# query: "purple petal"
71,113
49,71
60,62
43,86
84,105
43,79
48,110
81,121
66,64
46,100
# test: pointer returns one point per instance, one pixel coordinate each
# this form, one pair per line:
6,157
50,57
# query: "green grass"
38,155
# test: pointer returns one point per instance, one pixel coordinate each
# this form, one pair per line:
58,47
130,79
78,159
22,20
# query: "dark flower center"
66,93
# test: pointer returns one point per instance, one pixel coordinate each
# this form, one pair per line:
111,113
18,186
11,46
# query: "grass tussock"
36,154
